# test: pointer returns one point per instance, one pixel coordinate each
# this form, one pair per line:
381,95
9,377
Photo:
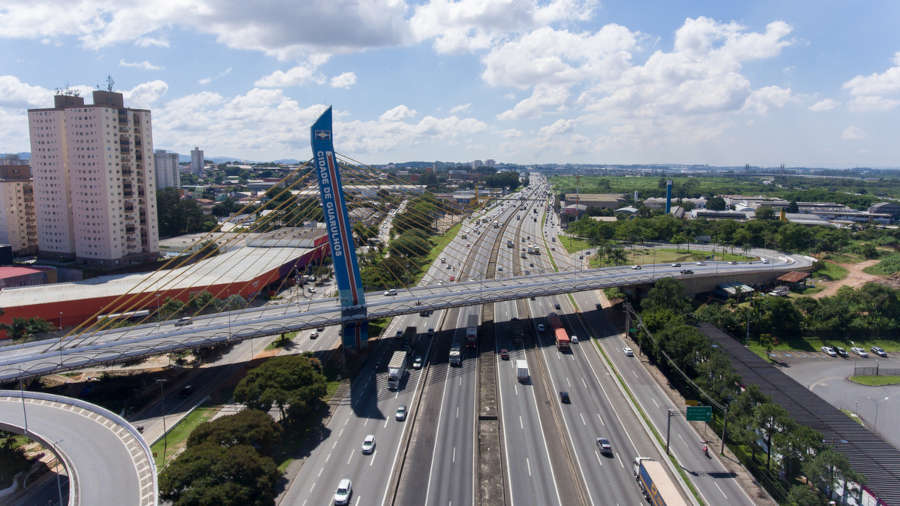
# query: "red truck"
559,332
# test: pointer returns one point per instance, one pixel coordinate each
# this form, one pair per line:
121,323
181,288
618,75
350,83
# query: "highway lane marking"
372,460
584,383
528,463
334,445
568,382
681,437
521,424
457,411
720,489
357,499
327,456
454,455
583,422
349,458
320,472
386,420
601,419
599,460
654,402
620,461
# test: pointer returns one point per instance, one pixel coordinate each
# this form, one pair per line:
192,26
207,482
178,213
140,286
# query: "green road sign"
699,413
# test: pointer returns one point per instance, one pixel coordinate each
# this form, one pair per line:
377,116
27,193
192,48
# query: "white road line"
620,461
681,437
366,422
584,383
516,390
583,421
372,460
601,419
397,394
568,382
457,411
386,420
437,433
320,472
521,425
454,455
720,489
654,402
357,499
346,421
599,460
528,463
460,381
334,445
350,458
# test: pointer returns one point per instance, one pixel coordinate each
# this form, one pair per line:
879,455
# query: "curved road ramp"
107,460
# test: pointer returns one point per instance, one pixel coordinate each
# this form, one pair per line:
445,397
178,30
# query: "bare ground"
855,278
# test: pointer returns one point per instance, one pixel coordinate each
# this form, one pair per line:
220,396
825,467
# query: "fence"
876,370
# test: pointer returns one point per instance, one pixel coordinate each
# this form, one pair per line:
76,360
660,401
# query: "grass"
280,343
887,266
845,258
807,291
875,381
439,243
831,271
853,416
573,245
177,437
12,461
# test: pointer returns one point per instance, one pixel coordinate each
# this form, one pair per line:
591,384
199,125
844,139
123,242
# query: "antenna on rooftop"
109,82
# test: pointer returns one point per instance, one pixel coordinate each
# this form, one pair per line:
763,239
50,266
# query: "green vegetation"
694,367
283,341
887,266
175,440
572,244
830,271
641,256
25,329
294,384
12,457
875,381
177,216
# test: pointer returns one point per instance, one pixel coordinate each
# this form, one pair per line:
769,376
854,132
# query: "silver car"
368,445
344,491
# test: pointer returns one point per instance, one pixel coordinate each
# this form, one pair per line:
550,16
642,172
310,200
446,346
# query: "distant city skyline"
521,81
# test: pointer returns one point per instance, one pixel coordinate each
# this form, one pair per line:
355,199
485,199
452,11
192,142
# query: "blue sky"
812,83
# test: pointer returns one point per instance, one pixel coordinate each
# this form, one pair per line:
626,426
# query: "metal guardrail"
102,412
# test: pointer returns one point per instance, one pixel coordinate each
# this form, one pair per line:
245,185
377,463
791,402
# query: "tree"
667,293
767,341
293,383
247,427
210,474
770,419
200,300
803,495
715,204
792,207
765,213
26,328
826,466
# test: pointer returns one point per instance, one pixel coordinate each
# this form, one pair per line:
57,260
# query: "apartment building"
18,225
197,161
94,180
167,175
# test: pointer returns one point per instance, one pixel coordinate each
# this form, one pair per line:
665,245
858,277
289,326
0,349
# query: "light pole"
162,394
60,320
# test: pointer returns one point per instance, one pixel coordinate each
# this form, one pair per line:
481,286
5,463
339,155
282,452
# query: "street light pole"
162,393
60,320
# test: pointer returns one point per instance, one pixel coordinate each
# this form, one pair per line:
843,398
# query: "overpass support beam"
340,236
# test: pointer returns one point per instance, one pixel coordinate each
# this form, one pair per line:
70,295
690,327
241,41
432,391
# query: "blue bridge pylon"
340,236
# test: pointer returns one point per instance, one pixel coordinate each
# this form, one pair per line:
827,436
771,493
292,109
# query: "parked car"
604,446
320,329
504,354
313,335
368,445
840,351
829,351
400,414
344,491
878,351
628,351
564,397
859,351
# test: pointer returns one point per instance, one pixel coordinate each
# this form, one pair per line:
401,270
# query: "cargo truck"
472,331
456,351
559,332
397,369
658,488
522,371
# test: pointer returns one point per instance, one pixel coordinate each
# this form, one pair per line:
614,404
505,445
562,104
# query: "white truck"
397,369
658,488
522,371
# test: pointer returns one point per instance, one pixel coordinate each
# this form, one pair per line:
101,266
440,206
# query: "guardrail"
100,411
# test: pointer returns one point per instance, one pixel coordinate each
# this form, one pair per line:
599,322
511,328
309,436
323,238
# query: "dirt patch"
855,278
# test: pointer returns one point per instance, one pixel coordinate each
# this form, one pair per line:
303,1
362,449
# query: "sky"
803,83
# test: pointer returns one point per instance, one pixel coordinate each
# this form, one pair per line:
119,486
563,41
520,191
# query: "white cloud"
272,29
151,42
876,92
345,80
468,25
558,127
207,80
511,133
824,105
143,65
762,99
145,94
460,108
544,97
20,95
853,133
296,76
399,113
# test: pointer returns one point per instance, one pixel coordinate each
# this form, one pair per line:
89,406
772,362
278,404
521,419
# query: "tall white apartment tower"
196,161
166,164
18,226
94,180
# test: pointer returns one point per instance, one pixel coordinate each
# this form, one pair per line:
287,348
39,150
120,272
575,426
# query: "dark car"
556,306
186,390
504,354
604,446
840,351
687,271
564,397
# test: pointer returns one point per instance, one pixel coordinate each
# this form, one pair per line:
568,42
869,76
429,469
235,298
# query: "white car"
390,293
574,339
344,491
828,350
417,363
859,351
700,263
628,351
635,267
368,445
540,327
400,415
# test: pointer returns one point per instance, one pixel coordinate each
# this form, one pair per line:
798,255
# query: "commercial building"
18,224
755,202
595,200
197,161
94,180
891,208
166,164
660,202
